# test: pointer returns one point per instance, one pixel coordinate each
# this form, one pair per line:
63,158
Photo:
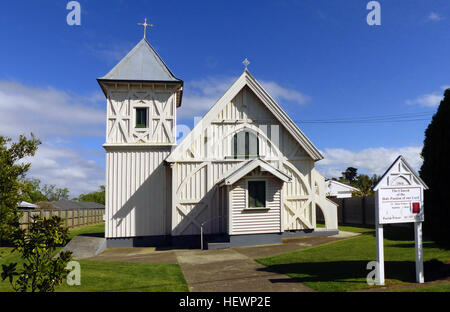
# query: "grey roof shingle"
142,63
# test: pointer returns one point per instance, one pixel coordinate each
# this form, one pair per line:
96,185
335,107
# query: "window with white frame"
256,194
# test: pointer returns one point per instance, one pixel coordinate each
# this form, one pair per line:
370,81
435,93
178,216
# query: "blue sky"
319,59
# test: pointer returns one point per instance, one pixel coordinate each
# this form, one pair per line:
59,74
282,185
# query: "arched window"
245,144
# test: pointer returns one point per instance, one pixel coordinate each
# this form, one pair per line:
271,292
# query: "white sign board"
399,200
400,205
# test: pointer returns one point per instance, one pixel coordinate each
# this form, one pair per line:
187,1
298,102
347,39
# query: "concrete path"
226,270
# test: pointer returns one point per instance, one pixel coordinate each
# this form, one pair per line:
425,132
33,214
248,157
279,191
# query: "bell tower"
142,96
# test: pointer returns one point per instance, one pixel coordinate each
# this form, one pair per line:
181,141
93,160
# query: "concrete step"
83,247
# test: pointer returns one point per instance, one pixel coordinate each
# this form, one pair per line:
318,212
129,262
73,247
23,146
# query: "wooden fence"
71,217
354,210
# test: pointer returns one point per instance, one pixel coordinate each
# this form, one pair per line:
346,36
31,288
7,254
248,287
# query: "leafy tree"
435,172
96,197
41,270
361,181
350,174
12,171
32,191
52,193
365,184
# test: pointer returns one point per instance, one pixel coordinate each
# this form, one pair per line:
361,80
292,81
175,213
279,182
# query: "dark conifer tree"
435,172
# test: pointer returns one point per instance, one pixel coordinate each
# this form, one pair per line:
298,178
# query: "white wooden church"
243,176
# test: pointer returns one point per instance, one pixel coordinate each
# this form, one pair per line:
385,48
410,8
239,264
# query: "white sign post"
399,199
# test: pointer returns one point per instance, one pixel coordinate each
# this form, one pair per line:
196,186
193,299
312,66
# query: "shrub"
41,270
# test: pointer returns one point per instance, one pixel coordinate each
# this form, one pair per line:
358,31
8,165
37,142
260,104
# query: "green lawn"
99,276
98,229
432,288
341,266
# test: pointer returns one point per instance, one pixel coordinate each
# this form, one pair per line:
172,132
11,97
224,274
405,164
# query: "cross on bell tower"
145,26
246,62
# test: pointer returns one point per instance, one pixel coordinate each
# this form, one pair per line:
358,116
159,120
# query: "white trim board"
251,165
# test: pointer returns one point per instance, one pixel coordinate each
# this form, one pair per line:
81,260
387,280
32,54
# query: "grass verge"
99,276
341,265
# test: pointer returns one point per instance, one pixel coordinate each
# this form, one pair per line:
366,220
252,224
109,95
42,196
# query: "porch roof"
249,166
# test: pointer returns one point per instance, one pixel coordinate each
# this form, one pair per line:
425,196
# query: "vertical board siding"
199,199
298,196
136,192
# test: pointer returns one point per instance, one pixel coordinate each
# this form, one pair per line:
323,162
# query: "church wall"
208,160
136,192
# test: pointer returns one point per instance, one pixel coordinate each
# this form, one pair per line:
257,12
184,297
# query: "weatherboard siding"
251,221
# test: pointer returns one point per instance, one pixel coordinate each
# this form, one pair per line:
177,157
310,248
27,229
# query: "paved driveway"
232,269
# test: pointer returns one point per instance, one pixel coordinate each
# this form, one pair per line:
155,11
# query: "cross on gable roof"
246,79
401,169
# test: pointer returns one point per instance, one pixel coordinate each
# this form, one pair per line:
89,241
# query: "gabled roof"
395,164
342,184
251,165
246,79
71,204
142,63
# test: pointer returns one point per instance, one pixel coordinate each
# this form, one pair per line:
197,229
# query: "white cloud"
280,93
200,95
66,167
427,100
369,161
433,16
47,112
58,117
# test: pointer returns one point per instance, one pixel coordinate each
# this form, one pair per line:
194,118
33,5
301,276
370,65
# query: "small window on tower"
141,117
